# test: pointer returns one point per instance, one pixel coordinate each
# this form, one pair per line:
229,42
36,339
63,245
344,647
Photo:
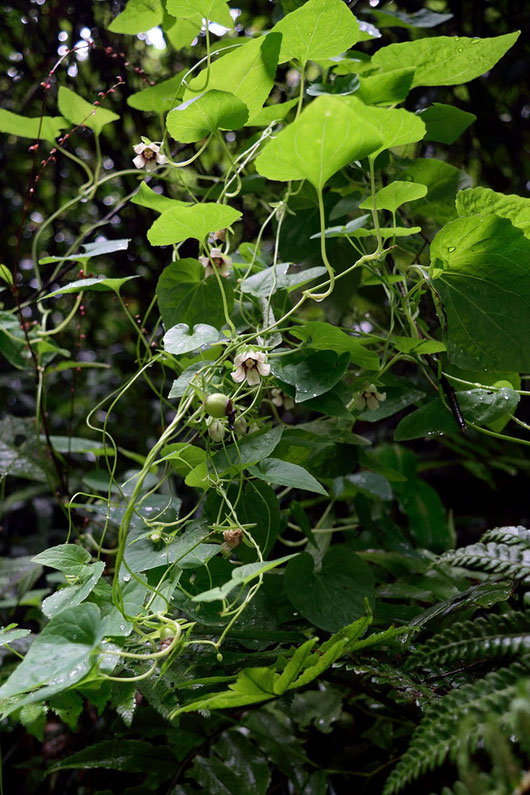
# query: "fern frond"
437,735
486,638
508,560
508,535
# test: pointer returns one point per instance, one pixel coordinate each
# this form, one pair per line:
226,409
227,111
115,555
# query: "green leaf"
324,336
395,127
204,114
100,285
76,593
269,280
427,518
341,86
247,72
314,375
444,60
283,473
418,346
8,635
63,654
78,111
443,181
158,98
24,127
97,249
271,113
189,8
197,221
75,445
481,269
181,32
147,197
387,88
128,756
241,576
183,457
138,16
6,274
250,450
430,420
181,339
394,195
424,18
445,123
185,295
240,768
334,595
318,29
68,558
326,136
345,230
484,201
187,550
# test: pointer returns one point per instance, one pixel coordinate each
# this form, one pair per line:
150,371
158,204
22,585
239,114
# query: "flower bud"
216,429
240,426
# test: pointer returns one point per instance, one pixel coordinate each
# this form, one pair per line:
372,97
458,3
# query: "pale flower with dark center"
217,260
148,156
279,398
250,365
369,397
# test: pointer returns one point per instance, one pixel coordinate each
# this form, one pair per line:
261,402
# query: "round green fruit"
217,405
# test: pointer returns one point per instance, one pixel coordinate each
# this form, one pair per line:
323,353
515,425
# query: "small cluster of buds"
231,540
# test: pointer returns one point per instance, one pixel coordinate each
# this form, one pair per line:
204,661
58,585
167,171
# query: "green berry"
216,405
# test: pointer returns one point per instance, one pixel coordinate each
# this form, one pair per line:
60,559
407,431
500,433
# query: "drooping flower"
148,156
279,398
231,540
369,397
217,260
216,429
250,365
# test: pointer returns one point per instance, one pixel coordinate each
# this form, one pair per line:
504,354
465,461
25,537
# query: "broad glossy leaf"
484,201
68,558
197,221
204,114
75,593
481,270
183,339
271,113
427,518
186,296
344,230
335,594
432,419
60,656
158,98
147,197
76,445
250,450
283,473
444,60
181,32
25,127
78,111
138,16
100,285
326,136
269,280
187,549
314,374
396,127
318,29
239,767
341,87
97,249
445,123
387,88
248,72
394,195
324,336
128,756
183,457
189,8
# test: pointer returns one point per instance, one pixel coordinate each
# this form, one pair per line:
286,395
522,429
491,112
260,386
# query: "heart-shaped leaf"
198,117
197,221
181,339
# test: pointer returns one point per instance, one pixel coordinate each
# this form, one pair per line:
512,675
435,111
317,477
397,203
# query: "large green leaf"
396,127
324,336
197,221
241,576
78,111
283,473
386,88
481,269
444,60
104,284
209,9
128,756
137,17
443,181
248,72
183,339
318,29
74,593
334,595
60,656
394,195
312,375
269,280
198,117
48,129
187,550
160,97
445,123
424,18
484,201
326,136
147,197
186,296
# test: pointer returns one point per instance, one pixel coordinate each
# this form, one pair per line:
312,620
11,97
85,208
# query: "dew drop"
475,41
127,578
451,249
460,49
